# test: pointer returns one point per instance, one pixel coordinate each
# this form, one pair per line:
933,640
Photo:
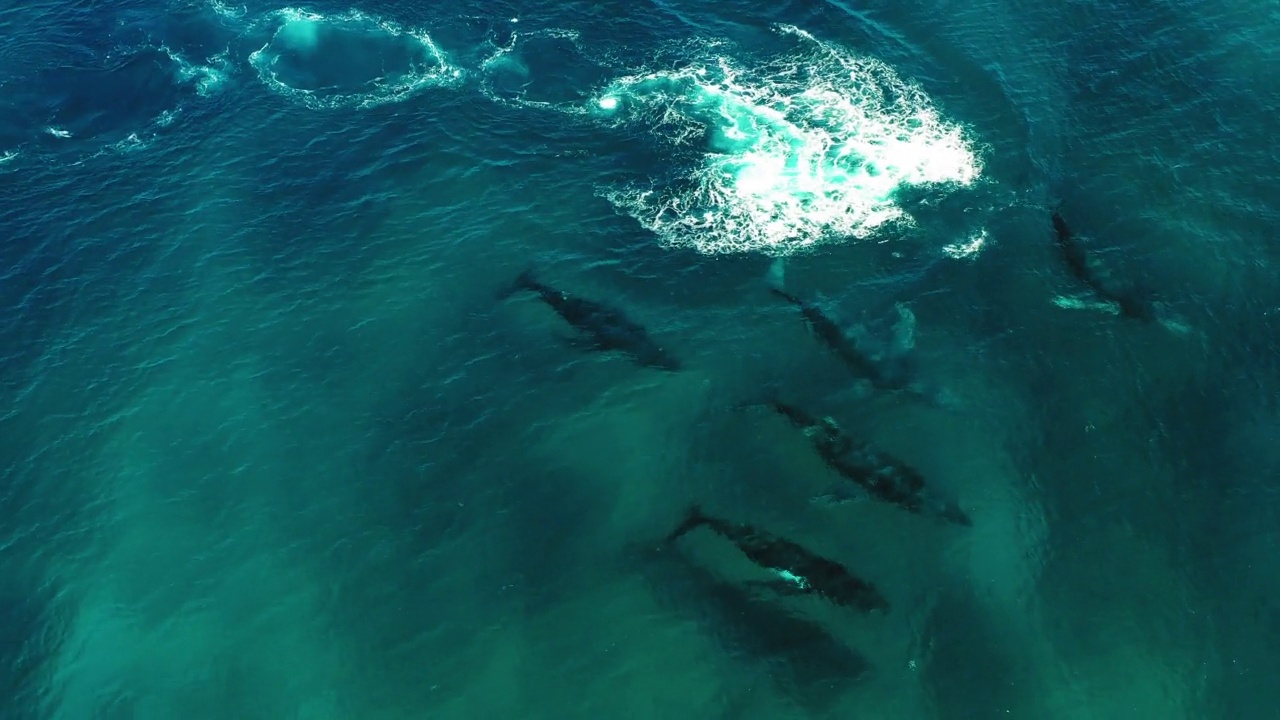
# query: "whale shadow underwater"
601,327
800,657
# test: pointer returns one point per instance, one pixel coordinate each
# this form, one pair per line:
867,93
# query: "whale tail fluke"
692,520
950,511
904,330
524,281
775,279
766,395
777,275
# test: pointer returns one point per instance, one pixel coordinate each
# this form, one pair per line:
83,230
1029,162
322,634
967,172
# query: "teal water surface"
277,441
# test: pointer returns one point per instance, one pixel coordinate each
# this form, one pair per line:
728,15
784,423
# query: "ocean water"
275,442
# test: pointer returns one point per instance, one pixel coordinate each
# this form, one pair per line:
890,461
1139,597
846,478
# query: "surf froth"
803,149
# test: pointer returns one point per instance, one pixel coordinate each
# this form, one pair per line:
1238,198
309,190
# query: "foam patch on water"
226,11
348,60
806,148
968,249
206,78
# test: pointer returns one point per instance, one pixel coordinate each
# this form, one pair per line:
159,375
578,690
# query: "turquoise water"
273,444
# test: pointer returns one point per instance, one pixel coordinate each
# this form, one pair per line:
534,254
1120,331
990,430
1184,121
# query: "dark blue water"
275,442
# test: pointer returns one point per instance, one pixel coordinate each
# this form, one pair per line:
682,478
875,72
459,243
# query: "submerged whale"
603,328
1127,302
795,652
885,368
799,570
882,375
874,472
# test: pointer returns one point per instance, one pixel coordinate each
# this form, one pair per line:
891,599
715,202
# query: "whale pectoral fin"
904,330
855,389
936,395
840,494
782,588
855,331
579,342
949,511
1175,325
1086,302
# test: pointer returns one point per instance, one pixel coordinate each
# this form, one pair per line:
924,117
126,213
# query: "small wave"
227,12
347,60
133,143
542,69
807,148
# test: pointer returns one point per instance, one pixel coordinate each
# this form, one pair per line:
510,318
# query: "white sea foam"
806,148
206,78
227,11
305,33
968,249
